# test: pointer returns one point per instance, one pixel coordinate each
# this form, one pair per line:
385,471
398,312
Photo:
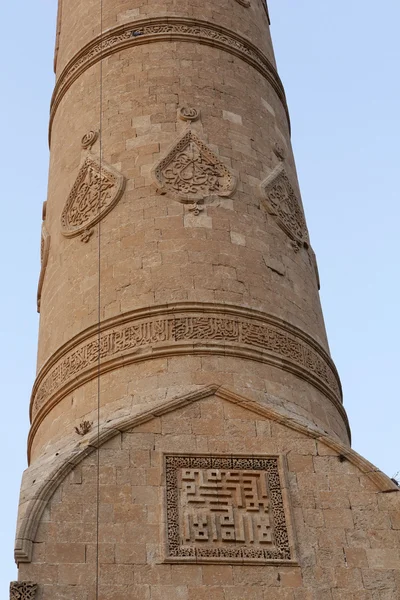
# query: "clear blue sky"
339,61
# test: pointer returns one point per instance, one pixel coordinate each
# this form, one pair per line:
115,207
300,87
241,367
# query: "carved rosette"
191,172
282,203
44,257
97,189
250,524
22,590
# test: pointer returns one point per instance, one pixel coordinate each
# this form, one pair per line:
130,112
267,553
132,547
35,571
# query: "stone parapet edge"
44,477
159,325
170,29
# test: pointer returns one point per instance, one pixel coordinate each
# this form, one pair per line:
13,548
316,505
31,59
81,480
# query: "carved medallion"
89,139
226,508
44,257
282,203
22,590
95,192
188,114
191,172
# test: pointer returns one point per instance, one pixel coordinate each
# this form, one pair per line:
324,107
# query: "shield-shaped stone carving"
95,192
282,203
191,172
22,590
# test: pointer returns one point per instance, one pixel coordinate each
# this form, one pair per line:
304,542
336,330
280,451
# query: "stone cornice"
43,478
164,28
182,329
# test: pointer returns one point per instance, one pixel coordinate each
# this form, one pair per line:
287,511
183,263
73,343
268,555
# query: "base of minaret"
208,494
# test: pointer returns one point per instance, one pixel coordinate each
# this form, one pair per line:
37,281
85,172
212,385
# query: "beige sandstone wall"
181,333
231,275
342,530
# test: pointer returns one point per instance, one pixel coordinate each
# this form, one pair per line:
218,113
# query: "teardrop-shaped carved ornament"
191,172
44,258
282,203
97,189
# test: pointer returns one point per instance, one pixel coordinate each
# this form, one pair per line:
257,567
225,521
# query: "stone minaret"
188,436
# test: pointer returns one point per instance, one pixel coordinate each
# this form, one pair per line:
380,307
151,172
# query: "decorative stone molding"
182,329
188,114
282,203
247,524
245,3
97,189
22,590
47,480
191,172
166,29
44,258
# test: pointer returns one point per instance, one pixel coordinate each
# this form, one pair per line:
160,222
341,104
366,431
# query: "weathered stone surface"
188,437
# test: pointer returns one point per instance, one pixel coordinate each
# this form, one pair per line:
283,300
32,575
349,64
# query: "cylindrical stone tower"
188,436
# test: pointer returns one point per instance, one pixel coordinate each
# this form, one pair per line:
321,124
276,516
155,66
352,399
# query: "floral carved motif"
225,508
22,590
192,172
96,191
282,203
44,257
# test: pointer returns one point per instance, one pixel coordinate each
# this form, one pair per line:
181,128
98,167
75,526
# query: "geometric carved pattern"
191,172
225,508
210,333
97,189
282,203
23,590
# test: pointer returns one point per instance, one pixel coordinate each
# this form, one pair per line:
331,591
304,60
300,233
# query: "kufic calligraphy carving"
22,590
191,172
227,508
97,189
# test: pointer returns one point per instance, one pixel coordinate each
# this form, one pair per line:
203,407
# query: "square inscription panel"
225,508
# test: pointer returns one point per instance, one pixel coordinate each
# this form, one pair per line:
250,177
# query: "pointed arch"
42,480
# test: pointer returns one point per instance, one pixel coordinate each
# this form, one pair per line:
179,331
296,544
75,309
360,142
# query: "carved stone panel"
22,590
226,509
191,172
96,191
282,203
44,257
